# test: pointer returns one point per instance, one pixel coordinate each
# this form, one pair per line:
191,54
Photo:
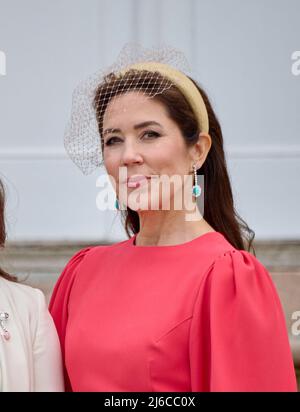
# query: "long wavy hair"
219,210
3,231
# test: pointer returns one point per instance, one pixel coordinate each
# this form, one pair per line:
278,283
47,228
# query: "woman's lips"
135,181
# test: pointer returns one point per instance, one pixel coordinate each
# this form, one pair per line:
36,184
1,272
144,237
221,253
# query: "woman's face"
149,150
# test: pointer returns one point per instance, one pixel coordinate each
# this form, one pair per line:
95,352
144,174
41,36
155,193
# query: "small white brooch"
3,331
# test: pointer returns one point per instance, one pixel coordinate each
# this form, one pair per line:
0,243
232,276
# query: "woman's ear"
200,149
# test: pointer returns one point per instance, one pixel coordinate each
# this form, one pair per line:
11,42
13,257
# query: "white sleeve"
47,358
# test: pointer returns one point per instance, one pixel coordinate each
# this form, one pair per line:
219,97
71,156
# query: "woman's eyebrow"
137,126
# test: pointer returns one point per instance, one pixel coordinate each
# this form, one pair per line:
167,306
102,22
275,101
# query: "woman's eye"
149,132
109,141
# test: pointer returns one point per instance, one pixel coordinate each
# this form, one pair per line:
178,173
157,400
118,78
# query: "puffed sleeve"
238,335
58,305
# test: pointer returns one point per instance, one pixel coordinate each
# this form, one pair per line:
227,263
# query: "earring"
196,188
117,204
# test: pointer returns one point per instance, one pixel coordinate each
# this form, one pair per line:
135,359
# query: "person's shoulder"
80,255
83,256
89,251
73,264
23,299
83,262
80,260
19,292
222,250
239,259
228,262
236,279
239,271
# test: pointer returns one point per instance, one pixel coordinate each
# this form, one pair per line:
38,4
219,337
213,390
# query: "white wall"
240,52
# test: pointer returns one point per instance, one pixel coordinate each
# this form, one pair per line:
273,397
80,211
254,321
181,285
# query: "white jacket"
30,360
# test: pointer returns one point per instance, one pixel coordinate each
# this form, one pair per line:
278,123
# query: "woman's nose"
131,154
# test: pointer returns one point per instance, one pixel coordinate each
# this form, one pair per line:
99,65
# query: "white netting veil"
94,97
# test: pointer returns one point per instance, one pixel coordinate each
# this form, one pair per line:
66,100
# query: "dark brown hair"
3,231
219,210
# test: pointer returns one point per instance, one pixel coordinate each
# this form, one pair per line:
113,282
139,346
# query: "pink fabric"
200,316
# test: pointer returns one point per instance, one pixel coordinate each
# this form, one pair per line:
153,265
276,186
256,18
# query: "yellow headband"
184,84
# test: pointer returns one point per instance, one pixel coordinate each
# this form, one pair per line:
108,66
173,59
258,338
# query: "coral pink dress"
198,316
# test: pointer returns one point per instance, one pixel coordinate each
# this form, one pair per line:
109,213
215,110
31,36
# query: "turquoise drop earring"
196,188
117,204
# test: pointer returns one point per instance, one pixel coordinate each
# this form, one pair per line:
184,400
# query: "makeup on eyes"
152,132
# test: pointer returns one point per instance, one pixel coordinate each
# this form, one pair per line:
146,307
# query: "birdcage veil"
94,96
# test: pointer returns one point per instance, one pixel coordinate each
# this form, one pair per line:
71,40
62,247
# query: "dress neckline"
205,237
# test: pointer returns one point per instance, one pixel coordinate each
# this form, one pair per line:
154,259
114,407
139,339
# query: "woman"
30,357
181,305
